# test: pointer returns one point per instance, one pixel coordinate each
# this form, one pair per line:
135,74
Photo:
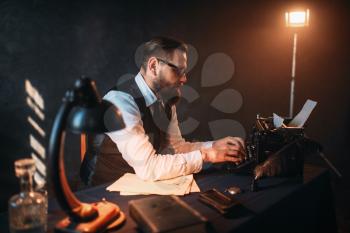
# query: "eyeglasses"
179,71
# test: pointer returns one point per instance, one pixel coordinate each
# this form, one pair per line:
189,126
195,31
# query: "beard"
169,92
170,95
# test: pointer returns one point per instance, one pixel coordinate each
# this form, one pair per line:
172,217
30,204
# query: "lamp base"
109,216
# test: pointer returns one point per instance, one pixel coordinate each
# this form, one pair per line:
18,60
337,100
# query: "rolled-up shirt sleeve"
176,143
138,152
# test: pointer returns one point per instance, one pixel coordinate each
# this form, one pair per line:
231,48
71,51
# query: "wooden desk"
280,206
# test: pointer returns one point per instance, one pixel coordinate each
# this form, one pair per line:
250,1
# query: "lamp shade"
90,113
99,118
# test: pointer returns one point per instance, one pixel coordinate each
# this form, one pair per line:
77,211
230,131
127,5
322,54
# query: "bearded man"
151,145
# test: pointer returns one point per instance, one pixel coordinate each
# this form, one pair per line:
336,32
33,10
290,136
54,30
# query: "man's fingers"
232,141
232,159
234,147
236,141
237,151
240,141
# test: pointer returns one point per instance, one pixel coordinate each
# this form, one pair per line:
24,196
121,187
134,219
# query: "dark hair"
161,47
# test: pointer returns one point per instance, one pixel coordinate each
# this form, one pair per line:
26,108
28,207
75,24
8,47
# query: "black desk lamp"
82,111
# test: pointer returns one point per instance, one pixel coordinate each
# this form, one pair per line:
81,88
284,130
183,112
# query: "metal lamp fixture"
82,111
295,19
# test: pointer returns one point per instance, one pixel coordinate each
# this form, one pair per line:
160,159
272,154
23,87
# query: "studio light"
295,19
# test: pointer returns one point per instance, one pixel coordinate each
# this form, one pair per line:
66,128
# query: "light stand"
300,19
292,82
296,19
82,111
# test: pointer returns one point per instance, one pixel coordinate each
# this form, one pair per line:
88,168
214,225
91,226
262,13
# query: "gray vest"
103,162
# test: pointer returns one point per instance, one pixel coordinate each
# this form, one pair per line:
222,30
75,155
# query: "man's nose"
183,79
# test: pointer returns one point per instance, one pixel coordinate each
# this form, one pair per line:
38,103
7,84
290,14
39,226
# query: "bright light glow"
297,18
40,166
36,126
36,102
34,94
39,180
35,108
36,145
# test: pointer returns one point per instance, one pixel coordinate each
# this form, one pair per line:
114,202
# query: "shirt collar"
147,93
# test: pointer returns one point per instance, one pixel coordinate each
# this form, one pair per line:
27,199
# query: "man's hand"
230,149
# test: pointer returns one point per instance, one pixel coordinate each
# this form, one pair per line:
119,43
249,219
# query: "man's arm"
139,153
176,143
233,146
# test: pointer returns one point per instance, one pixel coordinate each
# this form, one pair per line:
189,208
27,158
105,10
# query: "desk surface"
281,205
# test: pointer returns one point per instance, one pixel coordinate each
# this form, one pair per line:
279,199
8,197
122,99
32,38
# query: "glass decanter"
27,210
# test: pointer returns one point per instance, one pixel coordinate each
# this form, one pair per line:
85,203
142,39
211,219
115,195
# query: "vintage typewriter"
278,151
283,145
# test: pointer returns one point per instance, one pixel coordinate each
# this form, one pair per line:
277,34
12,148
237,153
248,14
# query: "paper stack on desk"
130,184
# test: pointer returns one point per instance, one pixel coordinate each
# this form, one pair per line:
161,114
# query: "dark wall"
53,43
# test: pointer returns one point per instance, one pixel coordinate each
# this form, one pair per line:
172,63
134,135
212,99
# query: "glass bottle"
27,210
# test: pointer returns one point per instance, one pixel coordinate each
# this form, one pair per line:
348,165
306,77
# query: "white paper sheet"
130,184
191,189
300,119
277,120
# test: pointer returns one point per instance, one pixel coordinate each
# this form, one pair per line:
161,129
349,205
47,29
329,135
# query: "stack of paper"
130,184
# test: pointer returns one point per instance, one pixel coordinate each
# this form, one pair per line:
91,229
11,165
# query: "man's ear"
152,65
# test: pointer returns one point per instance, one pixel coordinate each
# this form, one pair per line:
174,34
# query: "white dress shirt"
176,159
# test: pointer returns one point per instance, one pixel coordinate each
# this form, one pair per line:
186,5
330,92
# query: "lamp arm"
66,199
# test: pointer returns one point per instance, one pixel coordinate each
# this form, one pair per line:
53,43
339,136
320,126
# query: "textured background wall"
52,44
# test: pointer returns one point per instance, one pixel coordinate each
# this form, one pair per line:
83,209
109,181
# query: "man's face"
172,75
